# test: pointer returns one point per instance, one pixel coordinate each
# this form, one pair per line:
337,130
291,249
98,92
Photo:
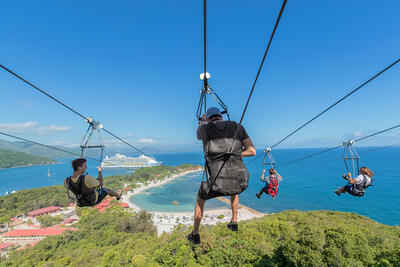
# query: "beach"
166,221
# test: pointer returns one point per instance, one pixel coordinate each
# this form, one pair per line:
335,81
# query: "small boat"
48,173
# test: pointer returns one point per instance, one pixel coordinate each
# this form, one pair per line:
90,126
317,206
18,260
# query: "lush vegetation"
144,175
47,220
30,199
292,238
10,159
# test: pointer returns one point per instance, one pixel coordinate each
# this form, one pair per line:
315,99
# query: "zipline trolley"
350,158
207,89
94,128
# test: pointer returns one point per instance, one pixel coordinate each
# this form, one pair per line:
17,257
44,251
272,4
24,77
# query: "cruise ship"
122,161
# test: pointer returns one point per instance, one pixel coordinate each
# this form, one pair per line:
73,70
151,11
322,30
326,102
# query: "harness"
272,188
82,199
224,169
359,189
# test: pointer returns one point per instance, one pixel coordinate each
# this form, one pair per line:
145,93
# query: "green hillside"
9,159
291,238
35,149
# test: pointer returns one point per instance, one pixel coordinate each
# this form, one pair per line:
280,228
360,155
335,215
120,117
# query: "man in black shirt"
224,145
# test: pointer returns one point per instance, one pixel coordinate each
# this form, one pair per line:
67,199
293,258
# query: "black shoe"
233,226
258,195
195,239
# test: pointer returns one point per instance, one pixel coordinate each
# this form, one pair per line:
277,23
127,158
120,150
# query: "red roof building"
44,211
6,245
27,236
35,232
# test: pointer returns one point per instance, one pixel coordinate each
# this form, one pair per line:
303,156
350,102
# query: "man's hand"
99,168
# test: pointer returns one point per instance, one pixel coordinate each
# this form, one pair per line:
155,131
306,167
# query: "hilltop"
290,238
9,159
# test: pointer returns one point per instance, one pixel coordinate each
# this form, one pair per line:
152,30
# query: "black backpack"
225,172
83,199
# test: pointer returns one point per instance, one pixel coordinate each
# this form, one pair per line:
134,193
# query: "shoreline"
166,221
26,166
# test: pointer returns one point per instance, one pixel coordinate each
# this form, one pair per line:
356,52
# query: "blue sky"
135,65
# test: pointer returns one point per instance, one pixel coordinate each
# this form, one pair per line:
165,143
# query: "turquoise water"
307,185
183,190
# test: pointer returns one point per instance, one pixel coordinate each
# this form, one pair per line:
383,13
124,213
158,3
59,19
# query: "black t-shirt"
224,126
218,137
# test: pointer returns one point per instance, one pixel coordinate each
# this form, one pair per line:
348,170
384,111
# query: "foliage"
28,200
143,175
9,159
31,199
291,238
47,220
111,238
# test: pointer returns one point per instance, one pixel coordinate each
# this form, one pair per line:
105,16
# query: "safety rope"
52,147
337,102
329,149
71,109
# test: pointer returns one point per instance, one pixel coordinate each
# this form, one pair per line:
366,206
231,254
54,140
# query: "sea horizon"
306,185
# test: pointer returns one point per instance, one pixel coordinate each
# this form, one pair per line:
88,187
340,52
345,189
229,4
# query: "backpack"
84,196
225,171
272,188
359,189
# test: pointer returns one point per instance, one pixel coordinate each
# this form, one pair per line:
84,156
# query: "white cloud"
31,126
358,134
146,141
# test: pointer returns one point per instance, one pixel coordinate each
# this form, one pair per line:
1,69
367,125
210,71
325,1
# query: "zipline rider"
87,189
226,173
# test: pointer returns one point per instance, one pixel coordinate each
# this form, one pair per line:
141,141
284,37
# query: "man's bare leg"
198,214
114,194
235,207
340,190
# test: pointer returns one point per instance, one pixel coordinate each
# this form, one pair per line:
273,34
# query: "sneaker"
195,239
233,226
258,195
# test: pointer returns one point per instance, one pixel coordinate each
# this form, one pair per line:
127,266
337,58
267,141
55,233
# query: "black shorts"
102,192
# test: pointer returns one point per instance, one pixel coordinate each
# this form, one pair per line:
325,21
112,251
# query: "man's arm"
100,177
351,180
249,149
199,132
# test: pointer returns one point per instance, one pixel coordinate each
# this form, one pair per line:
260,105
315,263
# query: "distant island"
11,159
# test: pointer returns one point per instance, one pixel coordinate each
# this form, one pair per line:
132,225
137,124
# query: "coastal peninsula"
166,221
13,159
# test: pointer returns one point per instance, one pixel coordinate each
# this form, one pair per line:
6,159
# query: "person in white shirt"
356,186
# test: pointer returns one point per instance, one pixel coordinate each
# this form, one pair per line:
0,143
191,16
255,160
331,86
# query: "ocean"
306,185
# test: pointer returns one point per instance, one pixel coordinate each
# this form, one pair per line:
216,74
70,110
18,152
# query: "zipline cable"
329,149
43,92
52,147
264,57
368,136
71,109
123,141
205,38
337,102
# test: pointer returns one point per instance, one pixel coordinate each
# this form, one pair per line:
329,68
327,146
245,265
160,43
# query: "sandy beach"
166,221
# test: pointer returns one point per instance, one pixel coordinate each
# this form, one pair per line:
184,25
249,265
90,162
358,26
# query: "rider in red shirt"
271,183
